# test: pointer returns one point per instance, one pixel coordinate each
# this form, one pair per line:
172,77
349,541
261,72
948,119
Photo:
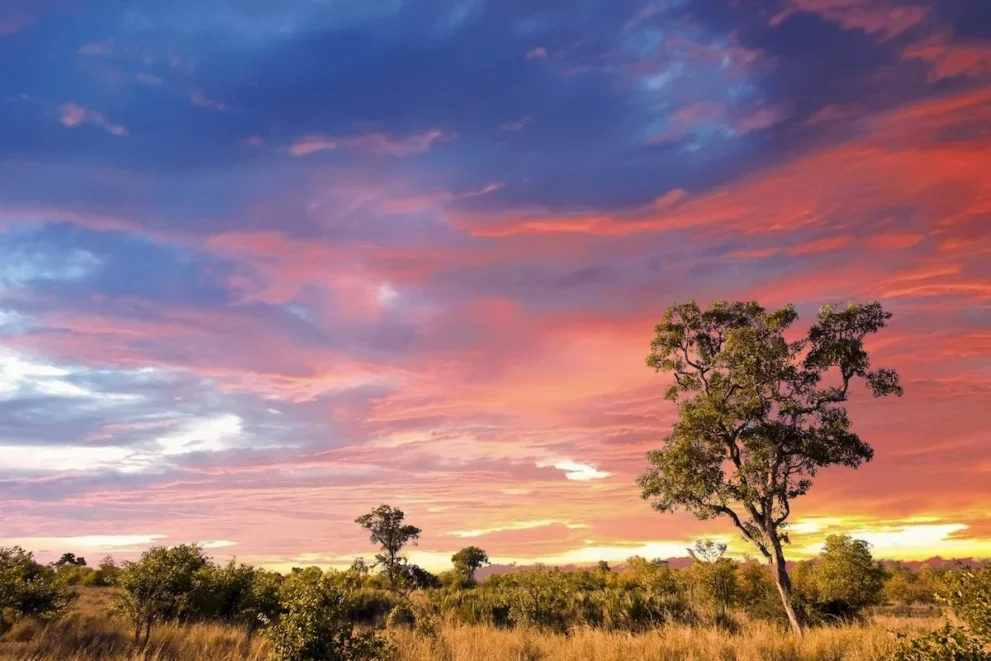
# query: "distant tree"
70,559
603,566
908,586
420,578
166,584
706,550
467,561
387,528
108,571
842,581
758,415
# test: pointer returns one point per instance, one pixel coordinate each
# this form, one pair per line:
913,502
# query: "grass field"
89,635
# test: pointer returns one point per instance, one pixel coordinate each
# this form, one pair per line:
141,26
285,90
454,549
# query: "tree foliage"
843,581
758,415
166,584
29,589
317,622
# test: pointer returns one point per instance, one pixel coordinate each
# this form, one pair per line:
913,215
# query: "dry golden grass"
89,635
755,642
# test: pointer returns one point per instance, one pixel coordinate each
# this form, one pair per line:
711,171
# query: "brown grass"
89,635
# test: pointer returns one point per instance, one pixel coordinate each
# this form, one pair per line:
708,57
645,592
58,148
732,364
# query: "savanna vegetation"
759,415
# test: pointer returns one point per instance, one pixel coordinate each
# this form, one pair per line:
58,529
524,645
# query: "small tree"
844,579
467,561
107,572
164,585
386,527
758,415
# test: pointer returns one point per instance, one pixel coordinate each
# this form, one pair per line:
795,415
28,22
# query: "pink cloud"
536,53
947,58
72,116
378,144
874,16
820,245
105,47
198,99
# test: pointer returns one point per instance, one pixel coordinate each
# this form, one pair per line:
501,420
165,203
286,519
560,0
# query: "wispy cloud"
72,116
378,144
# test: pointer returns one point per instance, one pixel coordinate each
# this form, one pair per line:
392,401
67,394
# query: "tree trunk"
783,582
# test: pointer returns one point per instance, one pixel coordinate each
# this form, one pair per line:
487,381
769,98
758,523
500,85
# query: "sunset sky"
266,264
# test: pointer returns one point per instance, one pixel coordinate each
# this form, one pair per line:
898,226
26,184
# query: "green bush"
968,593
316,622
165,585
949,643
29,590
840,583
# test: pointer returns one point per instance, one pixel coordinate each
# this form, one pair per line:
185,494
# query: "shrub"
712,579
239,594
968,593
166,584
316,622
949,643
905,586
29,590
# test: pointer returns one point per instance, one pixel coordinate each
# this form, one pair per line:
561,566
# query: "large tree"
758,415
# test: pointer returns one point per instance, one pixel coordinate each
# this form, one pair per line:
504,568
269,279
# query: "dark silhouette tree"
758,415
386,527
467,561
70,559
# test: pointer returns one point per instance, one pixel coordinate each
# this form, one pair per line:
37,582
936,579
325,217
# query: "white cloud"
63,458
386,294
212,434
20,374
83,543
515,525
581,472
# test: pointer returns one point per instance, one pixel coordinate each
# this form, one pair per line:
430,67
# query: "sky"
266,264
